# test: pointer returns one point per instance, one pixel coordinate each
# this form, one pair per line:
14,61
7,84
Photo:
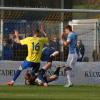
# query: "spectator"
7,50
19,51
80,51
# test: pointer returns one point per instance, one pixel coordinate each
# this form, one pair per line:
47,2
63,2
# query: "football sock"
57,71
16,75
42,71
69,77
41,74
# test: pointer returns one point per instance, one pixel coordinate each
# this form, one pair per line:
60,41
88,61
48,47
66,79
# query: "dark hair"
37,31
69,27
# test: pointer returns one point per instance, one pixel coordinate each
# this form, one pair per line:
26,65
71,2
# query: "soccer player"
46,53
52,53
30,80
70,41
35,45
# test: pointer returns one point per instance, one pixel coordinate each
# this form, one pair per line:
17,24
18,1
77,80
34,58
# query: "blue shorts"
35,66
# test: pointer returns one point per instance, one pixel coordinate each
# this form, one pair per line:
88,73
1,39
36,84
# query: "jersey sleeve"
44,40
24,41
69,38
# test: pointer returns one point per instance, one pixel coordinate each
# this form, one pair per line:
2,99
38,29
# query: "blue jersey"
47,51
72,38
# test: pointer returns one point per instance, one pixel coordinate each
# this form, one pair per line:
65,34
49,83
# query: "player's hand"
45,84
65,43
16,33
42,29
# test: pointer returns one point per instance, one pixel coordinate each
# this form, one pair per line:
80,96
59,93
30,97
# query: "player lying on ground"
35,45
52,54
30,79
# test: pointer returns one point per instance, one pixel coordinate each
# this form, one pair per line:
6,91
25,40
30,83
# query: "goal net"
85,22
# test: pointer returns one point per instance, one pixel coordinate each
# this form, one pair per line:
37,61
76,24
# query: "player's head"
79,42
67,29
36,33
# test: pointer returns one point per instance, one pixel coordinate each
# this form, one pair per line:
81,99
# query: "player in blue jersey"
49,52
70,41
46,53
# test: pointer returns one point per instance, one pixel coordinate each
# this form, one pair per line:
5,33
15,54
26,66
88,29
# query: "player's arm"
23,41
67,42
45,34
17,36
42,31
63,42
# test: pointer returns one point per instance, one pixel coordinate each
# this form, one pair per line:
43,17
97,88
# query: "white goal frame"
51,9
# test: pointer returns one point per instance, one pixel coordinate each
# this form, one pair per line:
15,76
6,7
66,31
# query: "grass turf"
50,93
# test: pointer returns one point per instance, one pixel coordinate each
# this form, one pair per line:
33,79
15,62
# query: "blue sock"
41,74
16,75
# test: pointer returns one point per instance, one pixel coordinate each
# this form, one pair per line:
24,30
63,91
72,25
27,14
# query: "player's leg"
47,66
68,70
68,73
34,73
54,76
35,69
31,76
72,58
24,65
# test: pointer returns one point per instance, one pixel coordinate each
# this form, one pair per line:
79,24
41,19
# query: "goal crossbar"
50,9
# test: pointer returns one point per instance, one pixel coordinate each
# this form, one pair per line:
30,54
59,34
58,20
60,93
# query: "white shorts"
72,59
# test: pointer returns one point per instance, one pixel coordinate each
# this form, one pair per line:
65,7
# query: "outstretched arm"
42,31
17,36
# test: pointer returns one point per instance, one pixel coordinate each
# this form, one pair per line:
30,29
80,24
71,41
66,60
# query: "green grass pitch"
49,93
